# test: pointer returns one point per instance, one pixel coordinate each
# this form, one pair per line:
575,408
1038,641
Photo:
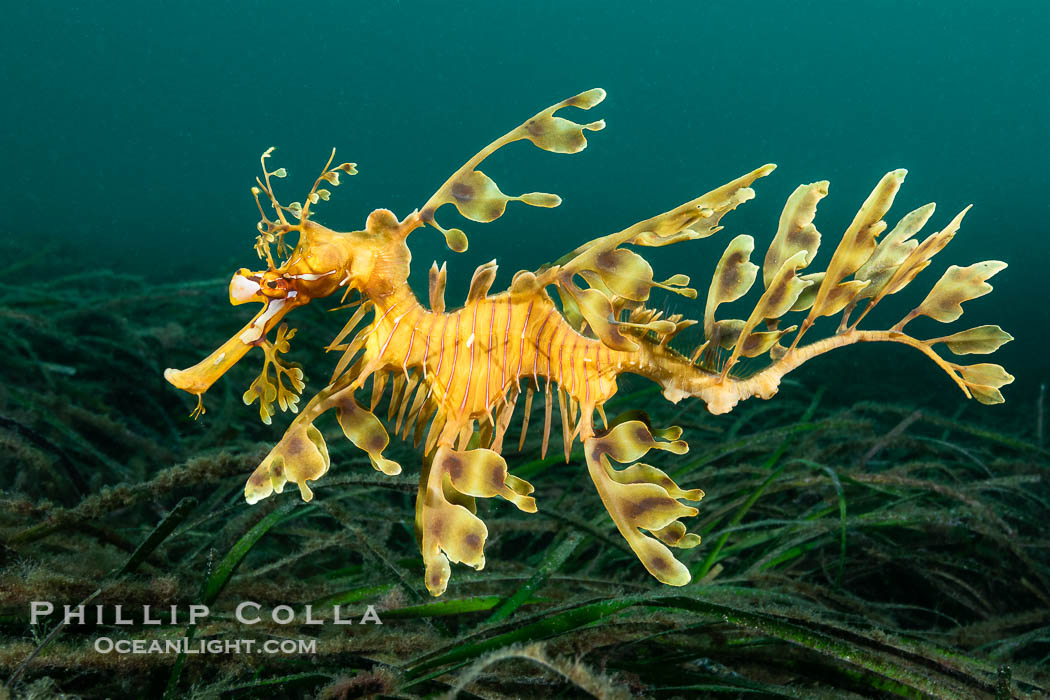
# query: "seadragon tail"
862,271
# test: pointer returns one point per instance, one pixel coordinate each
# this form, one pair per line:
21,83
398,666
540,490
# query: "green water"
869,531
131,132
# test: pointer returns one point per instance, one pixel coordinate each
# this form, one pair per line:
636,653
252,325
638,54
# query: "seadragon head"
373,261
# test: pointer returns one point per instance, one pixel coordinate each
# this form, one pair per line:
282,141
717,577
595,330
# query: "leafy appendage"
778,298
809,294
302,454
641,497
734,275
914,262
796,231
476,195
268,390
365,430
944,304
856,247
617,280
982,340
984,381
793,248
299,457
275,231
892,251
620,280
959,284
861,268
447,527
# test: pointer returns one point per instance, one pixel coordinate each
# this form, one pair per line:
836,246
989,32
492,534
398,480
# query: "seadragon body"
457,376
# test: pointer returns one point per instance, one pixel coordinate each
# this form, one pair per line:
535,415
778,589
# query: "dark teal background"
131,131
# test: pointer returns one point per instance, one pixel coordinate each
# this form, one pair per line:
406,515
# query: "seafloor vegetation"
850,549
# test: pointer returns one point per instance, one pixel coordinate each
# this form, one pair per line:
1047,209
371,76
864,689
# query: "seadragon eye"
276,288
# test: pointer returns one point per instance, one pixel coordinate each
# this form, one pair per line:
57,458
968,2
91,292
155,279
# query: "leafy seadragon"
462,372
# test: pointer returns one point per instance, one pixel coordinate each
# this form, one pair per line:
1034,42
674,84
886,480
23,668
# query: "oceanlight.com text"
184,645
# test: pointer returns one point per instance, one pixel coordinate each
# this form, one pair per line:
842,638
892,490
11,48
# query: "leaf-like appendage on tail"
861,269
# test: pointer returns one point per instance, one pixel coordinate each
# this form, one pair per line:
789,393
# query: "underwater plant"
462,372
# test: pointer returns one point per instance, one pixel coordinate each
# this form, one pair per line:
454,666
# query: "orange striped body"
473,358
